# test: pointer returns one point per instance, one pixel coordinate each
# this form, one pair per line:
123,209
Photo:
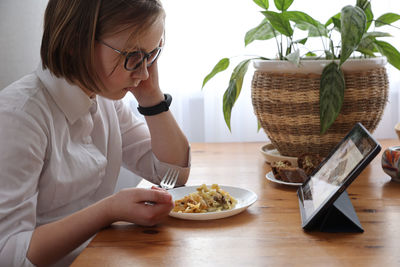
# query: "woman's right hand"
133,205
127,205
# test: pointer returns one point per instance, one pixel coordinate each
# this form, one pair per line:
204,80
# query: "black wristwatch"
157,109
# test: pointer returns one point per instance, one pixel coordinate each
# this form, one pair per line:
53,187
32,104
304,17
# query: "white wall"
21,23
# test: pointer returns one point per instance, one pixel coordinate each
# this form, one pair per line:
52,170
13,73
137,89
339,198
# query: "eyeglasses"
133,60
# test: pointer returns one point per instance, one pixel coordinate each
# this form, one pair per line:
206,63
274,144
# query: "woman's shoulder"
25,96
18,93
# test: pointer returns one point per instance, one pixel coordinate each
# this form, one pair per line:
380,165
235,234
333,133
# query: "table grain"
268,233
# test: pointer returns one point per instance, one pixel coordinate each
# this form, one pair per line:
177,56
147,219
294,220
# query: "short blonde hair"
71,28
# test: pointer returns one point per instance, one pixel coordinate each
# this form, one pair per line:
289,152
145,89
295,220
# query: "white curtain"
198,34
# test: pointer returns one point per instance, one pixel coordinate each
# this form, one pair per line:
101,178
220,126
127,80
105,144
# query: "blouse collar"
71,99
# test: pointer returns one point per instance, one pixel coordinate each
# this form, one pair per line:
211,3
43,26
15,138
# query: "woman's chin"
115,96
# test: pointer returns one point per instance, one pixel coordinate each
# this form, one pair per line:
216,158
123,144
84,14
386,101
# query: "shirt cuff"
162,167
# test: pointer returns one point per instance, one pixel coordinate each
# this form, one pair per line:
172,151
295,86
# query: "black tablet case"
340,217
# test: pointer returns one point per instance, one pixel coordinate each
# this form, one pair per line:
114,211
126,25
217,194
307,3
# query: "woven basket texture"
287,107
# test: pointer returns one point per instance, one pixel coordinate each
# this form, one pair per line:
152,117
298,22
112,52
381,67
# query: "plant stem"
277,44
387,24
322,39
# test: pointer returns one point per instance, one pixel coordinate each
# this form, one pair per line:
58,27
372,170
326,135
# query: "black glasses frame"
128,55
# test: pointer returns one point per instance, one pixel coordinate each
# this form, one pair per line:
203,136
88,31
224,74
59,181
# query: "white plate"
270,176
244,198
271,154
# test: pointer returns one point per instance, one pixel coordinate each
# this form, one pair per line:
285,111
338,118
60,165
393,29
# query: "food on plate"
205,200
284,171
279,165
308,162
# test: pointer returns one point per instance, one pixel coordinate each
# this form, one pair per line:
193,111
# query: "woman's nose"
142,72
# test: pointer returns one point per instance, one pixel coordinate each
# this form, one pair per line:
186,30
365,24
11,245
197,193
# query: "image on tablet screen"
331,175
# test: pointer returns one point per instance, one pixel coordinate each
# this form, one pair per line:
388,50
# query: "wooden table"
269,233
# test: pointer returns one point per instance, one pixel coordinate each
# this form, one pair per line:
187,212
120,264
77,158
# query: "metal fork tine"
166,176
169,179
175,177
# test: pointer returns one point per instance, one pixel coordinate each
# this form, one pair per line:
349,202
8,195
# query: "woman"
64,132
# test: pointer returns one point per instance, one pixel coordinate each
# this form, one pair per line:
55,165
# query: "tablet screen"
338,168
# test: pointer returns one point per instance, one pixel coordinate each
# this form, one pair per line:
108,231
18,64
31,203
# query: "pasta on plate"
205,200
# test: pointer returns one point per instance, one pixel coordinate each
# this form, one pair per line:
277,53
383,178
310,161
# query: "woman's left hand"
148,92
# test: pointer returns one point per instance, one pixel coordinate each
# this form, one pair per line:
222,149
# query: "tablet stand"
341,217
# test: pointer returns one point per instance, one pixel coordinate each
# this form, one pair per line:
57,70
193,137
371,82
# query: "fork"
169,179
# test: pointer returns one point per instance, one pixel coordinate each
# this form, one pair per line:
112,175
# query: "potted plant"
348,38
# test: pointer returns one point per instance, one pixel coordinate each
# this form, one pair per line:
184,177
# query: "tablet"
334,174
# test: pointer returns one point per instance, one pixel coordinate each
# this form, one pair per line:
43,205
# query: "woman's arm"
51,242
168,142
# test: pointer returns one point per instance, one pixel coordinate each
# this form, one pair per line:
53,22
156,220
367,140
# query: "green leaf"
313,31
367,46
331,53
352,30
367,52
330,21
311,54
386,19
337,23
280,22
262,3
306,22
283,5
331,95
391,53
264,31
370,17
294,57
376,34
232,92
365,5
368,40
301,41
222,65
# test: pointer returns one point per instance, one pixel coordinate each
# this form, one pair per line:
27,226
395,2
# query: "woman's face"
116,79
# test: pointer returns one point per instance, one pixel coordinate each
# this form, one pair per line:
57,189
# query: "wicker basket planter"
286,102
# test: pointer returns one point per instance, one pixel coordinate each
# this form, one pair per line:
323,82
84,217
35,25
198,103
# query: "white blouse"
61,151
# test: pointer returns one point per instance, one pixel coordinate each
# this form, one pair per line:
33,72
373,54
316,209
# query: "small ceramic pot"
391,162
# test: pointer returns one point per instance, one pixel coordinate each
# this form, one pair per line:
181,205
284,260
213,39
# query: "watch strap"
157,109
